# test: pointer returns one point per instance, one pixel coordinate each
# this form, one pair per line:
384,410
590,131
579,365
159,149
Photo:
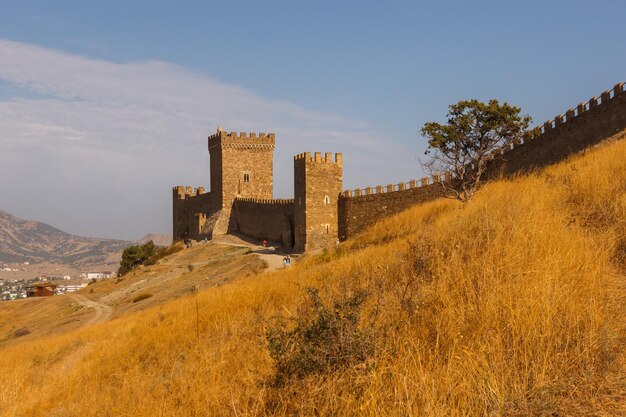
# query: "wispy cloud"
109,140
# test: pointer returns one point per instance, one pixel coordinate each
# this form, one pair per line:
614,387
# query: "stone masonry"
240,200
584,126
241,167
318,182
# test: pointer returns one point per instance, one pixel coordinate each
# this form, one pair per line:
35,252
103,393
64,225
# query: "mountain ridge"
157,239
33,241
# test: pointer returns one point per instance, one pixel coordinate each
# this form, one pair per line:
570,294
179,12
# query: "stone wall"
582,127
191,208
317,185
586,125
359,209
264,219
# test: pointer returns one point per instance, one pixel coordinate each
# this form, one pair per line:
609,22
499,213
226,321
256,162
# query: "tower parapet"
317,157
242,140
184,192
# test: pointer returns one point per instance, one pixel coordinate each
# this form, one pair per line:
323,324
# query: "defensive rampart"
190,207
361,208
270,220
584,126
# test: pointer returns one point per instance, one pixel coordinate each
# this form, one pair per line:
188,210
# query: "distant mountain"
159,240
35,242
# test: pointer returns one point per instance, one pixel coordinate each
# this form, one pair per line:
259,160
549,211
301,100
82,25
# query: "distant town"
44,284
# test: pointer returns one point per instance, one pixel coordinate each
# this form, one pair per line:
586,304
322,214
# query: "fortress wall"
584,126
359,209
264,219
187,203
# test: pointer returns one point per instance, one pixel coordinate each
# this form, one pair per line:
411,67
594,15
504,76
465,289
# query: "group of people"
286,259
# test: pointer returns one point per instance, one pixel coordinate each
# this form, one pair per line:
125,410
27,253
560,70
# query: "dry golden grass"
181,274
512,305
40,317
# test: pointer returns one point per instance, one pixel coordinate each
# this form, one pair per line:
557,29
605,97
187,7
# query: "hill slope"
511,305
35,242
180,274
157,239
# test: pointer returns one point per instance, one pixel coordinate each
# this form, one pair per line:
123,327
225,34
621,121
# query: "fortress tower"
317,185
241,166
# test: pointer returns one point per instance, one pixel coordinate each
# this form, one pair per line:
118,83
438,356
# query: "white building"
99,275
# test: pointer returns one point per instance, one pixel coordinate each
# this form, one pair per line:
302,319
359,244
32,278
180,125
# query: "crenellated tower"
317,185
241,166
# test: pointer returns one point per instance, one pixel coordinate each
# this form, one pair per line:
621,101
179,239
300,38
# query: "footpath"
268,254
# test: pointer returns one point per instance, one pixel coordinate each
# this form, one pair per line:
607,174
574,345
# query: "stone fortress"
321,213
240,199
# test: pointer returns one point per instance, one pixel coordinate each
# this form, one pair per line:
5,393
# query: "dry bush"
141,297
19,332
320,339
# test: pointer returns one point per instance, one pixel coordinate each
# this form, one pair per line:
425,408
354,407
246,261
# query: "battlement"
317,157
234,139
572,113
265,200
560,120
392,188
184,192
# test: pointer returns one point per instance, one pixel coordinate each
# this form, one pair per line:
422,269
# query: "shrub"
21,331
161,252
134,256
146,254
323,340
141,297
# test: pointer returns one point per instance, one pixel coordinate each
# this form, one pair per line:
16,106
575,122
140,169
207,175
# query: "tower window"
326,200
327,228
246,178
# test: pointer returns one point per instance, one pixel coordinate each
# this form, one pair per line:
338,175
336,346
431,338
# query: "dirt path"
102,312
268,254
273,259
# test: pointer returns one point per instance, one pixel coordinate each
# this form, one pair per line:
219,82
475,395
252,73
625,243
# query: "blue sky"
95,93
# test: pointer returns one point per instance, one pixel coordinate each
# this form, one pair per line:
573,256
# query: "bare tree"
475,134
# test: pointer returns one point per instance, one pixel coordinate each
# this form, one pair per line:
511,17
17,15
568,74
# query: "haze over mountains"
32,241
159,240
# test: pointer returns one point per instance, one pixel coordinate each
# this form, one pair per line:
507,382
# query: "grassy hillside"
512,305
180,274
